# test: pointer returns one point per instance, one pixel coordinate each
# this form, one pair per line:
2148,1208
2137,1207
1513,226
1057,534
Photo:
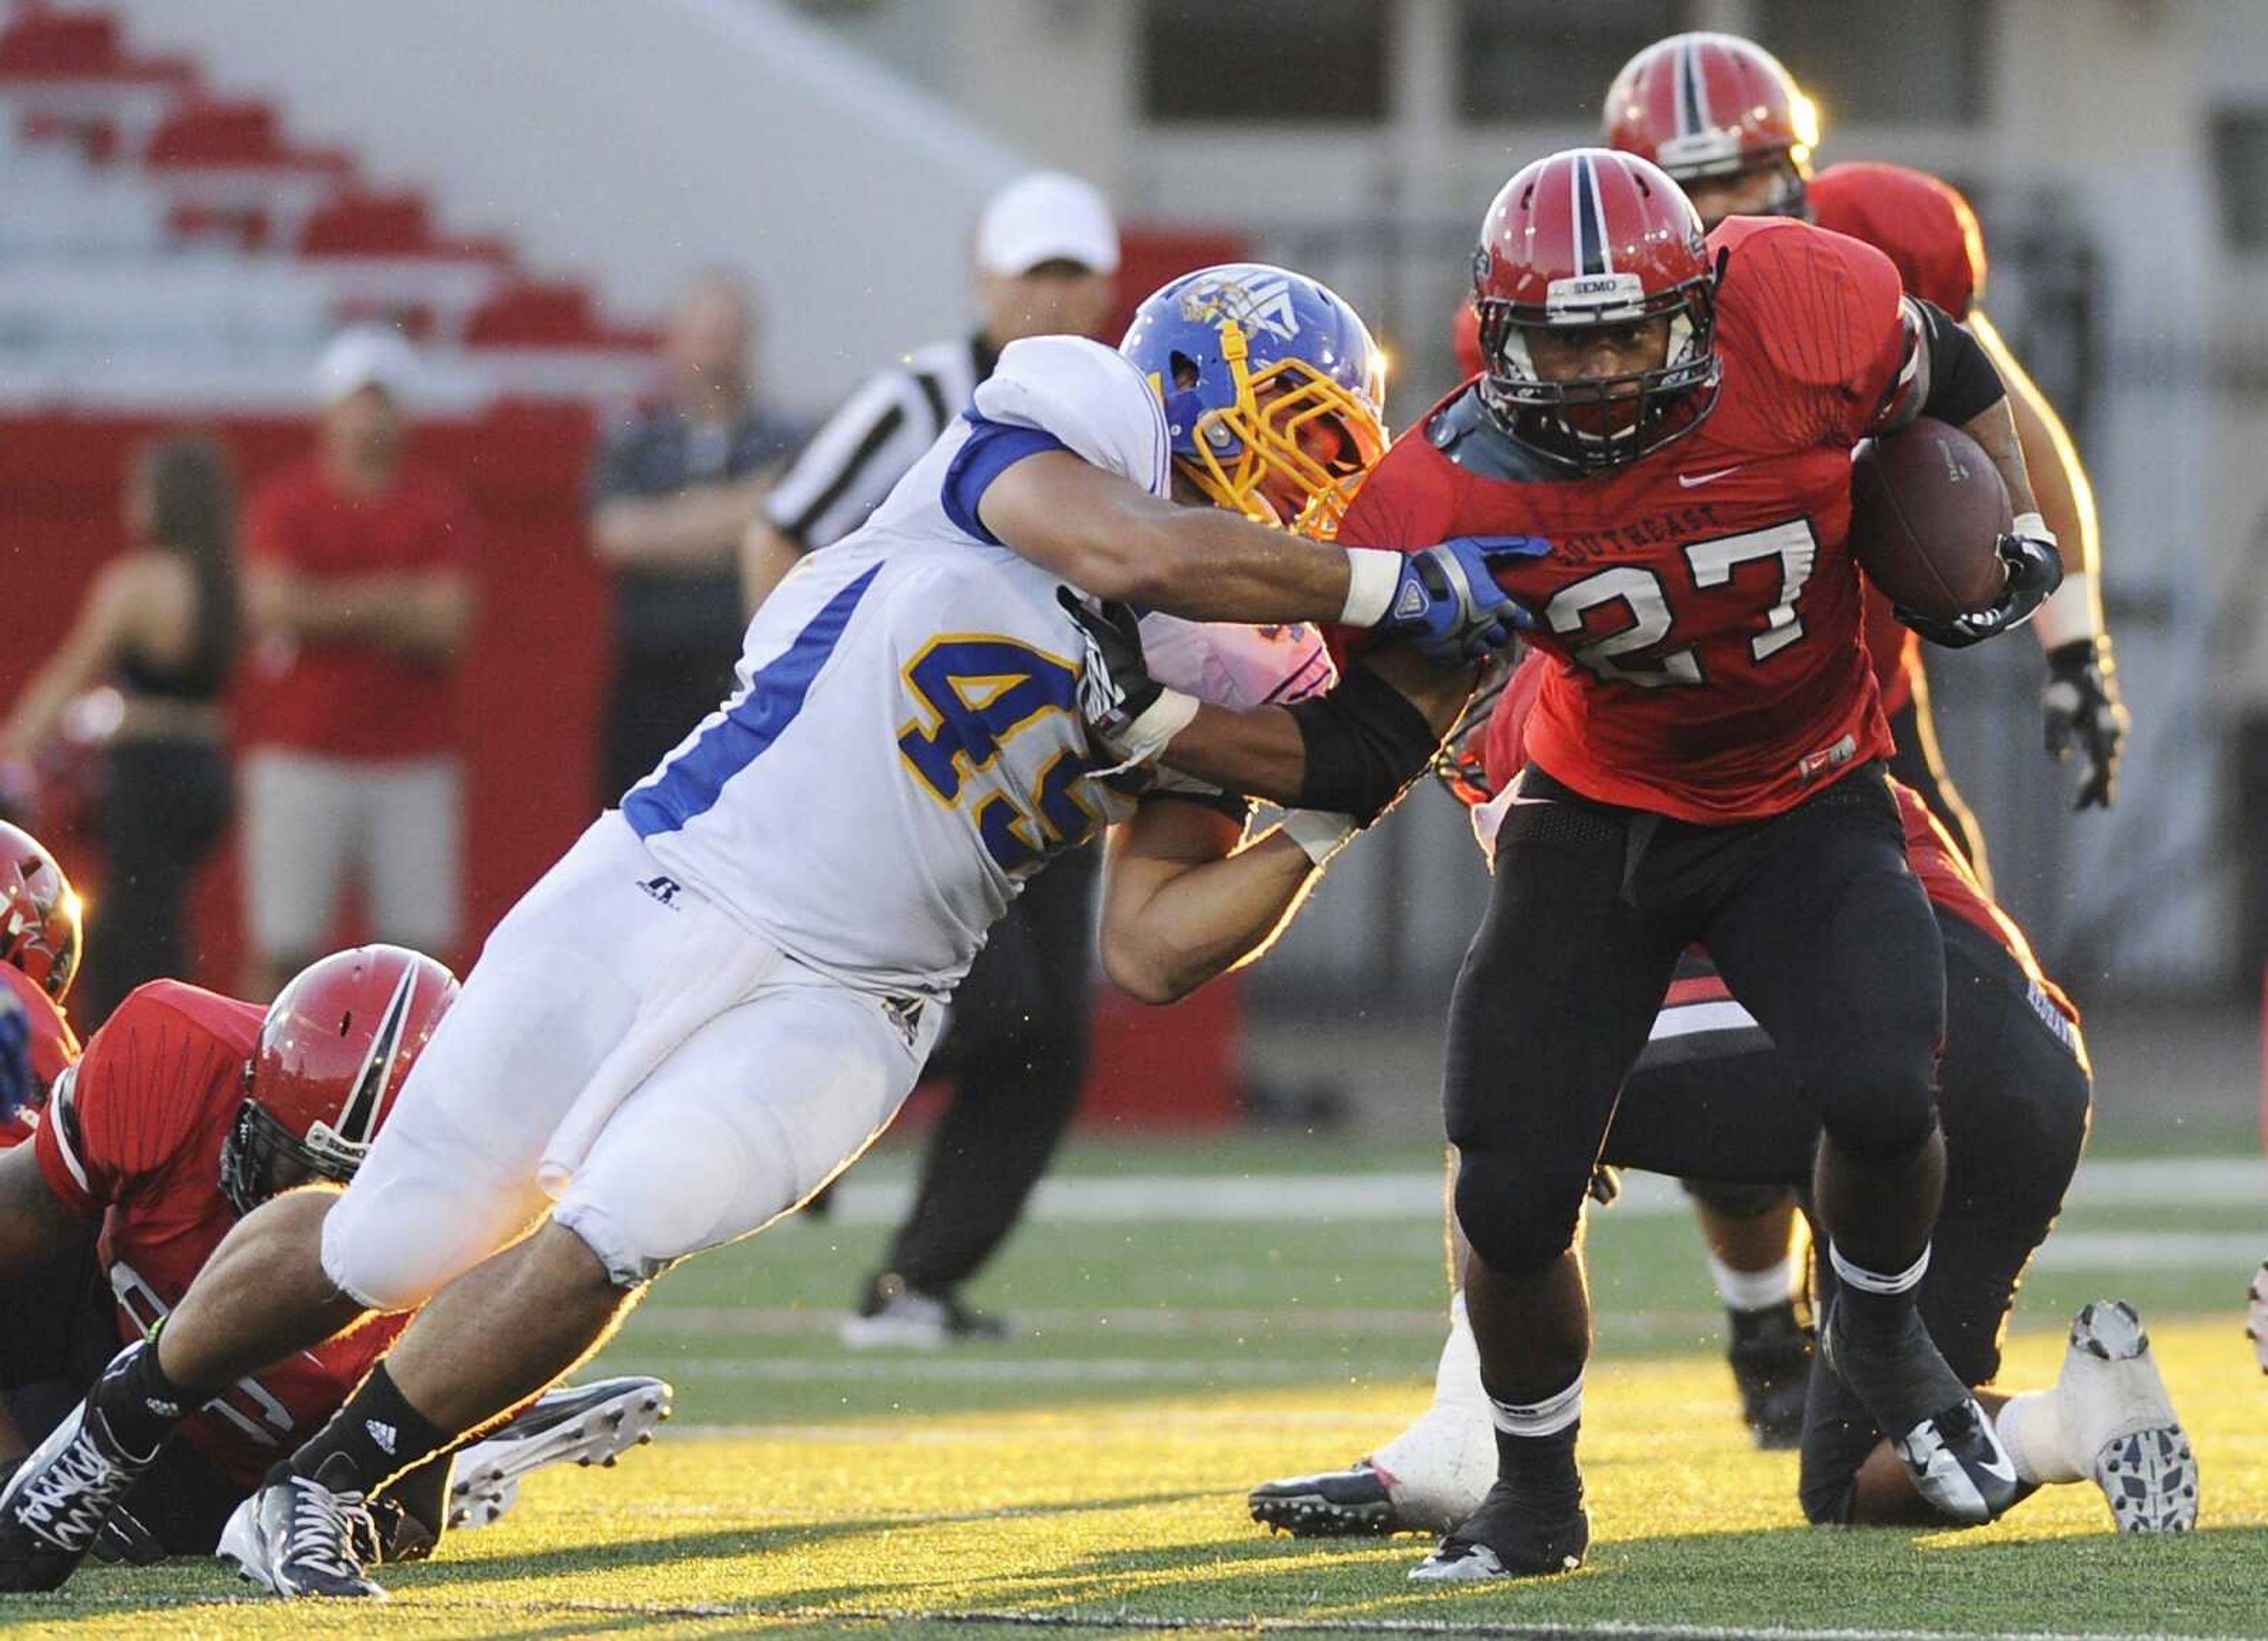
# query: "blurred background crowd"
401,406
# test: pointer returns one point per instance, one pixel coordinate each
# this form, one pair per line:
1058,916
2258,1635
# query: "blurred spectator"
160,624
673,491
358,588
1046,252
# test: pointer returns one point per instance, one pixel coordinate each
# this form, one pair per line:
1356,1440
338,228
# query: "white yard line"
2170,1183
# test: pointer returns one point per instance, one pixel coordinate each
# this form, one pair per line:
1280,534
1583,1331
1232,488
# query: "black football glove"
1127,712
18,1086
2035,570
2081,709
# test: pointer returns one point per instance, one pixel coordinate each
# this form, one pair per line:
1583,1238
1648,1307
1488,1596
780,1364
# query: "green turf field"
1192,1329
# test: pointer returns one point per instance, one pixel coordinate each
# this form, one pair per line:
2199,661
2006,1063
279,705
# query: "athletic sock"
376,1435
1535,1451
2031,1428
1755,1290
139,1404
1874,1302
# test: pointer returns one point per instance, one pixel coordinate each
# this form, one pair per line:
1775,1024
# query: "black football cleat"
295,1537
1949,1448
56,1503
1770,1354
1352,1503
1504,1539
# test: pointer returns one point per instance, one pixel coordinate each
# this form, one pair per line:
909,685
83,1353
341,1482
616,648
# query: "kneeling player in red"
1677,420
187,1110
1713,1099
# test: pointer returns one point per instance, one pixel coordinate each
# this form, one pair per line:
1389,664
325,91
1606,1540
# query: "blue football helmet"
1275,393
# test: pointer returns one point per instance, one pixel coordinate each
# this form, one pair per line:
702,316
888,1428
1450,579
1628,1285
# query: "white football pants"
677,1080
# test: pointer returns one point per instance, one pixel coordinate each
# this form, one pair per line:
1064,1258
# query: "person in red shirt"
1722,116
1711,1097
357,588
187,1110
1670,423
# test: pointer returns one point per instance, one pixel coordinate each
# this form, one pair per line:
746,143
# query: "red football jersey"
1928,231
135,1134
1700,608
1944,875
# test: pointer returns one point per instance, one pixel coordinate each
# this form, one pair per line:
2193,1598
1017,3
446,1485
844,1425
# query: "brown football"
1928,512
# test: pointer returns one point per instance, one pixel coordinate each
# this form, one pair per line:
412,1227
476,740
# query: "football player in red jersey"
187,1110
1675,420
1728,122
39,919
1711,1097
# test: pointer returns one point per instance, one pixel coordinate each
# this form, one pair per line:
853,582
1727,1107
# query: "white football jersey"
905,748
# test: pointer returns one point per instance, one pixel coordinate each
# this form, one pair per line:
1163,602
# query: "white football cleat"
2256,1316
2120,1424
584,1425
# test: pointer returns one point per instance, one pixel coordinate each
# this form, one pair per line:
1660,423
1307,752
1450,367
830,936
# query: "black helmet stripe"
361,1113
1692,92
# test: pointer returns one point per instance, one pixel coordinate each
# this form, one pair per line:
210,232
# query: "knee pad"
1736,1201
1519,1220
403,1231
653,1192
1878,1102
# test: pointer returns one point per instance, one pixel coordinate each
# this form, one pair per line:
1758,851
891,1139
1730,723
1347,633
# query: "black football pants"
1017,1054
1815,920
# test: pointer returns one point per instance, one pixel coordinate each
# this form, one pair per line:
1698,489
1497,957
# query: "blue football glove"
1448,602
16,1084
2034,569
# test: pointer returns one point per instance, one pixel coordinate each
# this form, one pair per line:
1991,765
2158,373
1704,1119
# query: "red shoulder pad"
169,1061
1818,310
1921,223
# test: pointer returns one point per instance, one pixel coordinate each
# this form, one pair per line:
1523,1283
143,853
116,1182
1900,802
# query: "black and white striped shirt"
866,447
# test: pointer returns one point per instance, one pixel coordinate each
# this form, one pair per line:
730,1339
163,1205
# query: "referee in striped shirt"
1046,250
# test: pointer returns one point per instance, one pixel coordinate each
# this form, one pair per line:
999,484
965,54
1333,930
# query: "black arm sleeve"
1963,383
1365,741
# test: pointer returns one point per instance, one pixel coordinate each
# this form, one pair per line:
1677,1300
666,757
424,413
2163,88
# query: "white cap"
1044,218
366,356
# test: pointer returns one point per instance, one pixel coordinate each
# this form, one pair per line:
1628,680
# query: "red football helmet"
38,912
1590,237
336,1047
1709,105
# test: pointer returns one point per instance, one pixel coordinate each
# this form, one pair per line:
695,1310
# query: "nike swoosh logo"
2004,1468
1694,481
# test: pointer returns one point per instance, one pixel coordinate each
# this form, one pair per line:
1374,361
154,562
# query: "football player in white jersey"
724,991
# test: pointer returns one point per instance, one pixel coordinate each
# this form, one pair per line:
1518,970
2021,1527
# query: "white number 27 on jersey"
1652,622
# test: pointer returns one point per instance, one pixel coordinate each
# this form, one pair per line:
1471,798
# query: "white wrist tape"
2071,615
1318,831
1141,741
1372,573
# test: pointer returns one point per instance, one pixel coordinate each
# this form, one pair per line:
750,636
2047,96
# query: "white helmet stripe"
1599,215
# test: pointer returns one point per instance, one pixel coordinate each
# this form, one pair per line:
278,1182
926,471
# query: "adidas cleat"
1950,1450
56,1503
1504,1539
296,1537
581,1424
1337,1504
2119,1422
